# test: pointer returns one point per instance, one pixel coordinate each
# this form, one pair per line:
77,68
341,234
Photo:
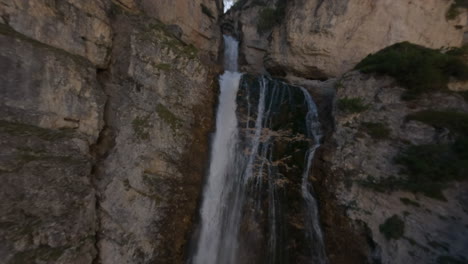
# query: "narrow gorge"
234,132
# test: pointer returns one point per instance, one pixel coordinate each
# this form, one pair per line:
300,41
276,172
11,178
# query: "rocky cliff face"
369,214
104,128
106,107
362,162
194,22
319,39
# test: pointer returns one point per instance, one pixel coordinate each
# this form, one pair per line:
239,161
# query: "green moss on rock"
167,116
378,131
21,129
140,127
417,68
352,105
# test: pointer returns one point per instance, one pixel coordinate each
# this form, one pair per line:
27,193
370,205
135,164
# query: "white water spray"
243,189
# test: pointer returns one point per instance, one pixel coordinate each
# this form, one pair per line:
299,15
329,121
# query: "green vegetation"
168,117
393,228
267,20
207,11
352,105
429,168
140,127
454,9
451,260
417,68
20,129
456,122
164,67
378,131
270,17
408,201
157,32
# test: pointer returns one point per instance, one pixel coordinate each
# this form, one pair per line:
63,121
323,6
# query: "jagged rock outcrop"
104,128
360,162
319,39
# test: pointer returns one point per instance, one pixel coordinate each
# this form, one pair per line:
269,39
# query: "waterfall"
257,205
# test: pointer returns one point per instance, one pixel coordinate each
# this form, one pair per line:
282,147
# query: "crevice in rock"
99,151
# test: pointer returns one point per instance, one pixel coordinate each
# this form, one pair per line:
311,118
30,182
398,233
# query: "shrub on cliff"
352,105
429,168
454,9
269,17
417,68
393,228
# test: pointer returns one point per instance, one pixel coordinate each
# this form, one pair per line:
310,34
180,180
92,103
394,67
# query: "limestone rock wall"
159,112
320,39
355,162
195,20
241,21
105,116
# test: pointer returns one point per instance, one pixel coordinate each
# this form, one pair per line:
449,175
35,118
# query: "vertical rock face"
51,112
253,45
78,27
104,127
159,111
196,21
363,168
318,39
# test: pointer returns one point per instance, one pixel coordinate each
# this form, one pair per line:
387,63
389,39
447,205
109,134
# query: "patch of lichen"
163,66
153,196
140,127
156,31
21,129
167,116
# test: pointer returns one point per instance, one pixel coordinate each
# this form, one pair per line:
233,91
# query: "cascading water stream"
257,185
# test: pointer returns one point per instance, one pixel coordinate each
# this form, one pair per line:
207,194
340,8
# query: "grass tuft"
378,131
352,105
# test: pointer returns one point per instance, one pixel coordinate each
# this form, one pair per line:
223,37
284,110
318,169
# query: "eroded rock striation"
107,105
105,114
